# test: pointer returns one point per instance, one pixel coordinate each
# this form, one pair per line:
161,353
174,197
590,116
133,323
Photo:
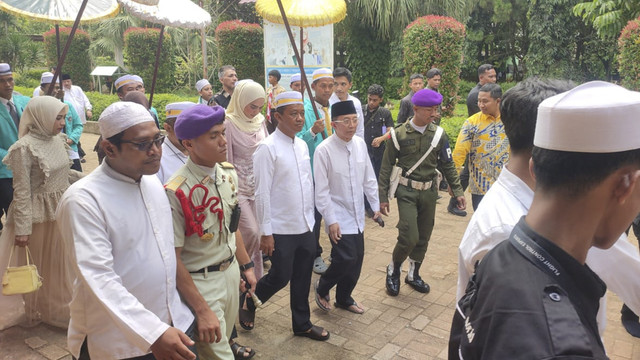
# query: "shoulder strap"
434,143
395,139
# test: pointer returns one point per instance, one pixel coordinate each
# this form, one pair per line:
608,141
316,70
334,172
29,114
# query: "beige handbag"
21,279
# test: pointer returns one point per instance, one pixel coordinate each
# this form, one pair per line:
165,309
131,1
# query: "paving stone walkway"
410,326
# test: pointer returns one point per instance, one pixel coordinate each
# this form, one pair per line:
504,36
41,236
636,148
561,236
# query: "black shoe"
630,321
453,208
418,284
83,160
393,280
444,186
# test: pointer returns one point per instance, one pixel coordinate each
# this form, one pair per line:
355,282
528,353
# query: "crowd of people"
164,245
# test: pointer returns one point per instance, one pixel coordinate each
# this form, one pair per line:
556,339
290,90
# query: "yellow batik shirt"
482,137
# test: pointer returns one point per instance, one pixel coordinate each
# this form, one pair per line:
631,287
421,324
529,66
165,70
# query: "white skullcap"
5,69
288,98
295,77
46,78
596,117
201,84
120,116
322,73
174,109
125,79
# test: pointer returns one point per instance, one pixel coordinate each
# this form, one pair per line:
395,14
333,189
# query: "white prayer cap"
120,116
595,117
295,77
46,78
174,109
201,84
288,98
5,69
322,73
125,79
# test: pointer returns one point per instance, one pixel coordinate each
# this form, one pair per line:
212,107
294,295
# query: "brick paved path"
410,326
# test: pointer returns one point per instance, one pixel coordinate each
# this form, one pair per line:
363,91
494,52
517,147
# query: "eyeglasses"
347,121
146,146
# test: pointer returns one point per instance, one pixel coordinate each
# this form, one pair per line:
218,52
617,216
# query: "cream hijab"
39,116
246,92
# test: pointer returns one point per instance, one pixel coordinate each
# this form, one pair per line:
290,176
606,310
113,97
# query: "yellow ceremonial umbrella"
302,13
62,12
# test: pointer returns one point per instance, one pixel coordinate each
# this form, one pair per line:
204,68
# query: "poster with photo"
317,45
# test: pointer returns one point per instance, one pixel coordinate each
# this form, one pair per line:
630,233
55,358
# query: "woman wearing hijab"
245,128
40,164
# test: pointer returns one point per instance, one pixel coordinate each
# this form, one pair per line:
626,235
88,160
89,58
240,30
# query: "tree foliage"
607,16
140,54
629,58
241,45
435,41
76,63
498,34
561,46
365,54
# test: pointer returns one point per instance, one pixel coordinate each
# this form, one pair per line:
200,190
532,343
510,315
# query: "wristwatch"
247,266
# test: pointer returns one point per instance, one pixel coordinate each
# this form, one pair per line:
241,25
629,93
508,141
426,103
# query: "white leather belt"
418,185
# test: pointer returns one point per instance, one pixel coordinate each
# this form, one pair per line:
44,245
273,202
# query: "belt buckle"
225,265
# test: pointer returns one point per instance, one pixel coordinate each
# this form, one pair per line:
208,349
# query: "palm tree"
108,35
389,16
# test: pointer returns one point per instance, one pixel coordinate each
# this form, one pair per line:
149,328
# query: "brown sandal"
315,333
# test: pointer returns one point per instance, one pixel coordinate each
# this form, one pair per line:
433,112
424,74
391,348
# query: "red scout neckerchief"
194,215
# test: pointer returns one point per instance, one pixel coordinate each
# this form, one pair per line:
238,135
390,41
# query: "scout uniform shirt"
216,243
413,145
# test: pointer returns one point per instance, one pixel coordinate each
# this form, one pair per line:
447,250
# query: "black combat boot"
413,278
453,208
393,278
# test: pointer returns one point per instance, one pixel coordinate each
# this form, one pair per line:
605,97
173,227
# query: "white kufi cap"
46,78
120,116
201,84
125,79
295,77
595,117
288,98
5,69
174,109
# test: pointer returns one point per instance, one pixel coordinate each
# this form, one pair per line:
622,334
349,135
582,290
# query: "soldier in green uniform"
210,255
416,190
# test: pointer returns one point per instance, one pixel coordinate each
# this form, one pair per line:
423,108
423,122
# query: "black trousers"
191,333
6,194
316,231
475,201
76,165
344,271
292,261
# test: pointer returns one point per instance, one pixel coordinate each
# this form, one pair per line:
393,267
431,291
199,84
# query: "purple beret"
426,98
197,120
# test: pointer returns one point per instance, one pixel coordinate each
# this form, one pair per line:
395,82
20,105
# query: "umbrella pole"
57,52
66,46
297,54
301,47
155,67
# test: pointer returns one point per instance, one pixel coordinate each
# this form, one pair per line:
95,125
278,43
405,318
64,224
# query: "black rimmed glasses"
146,146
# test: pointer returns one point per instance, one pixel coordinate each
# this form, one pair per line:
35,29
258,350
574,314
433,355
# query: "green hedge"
101,101
140,55
435,41
77,62
241,45
629,57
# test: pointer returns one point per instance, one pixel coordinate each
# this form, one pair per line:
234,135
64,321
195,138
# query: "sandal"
239,351
315,333
246,316
318,298
354,307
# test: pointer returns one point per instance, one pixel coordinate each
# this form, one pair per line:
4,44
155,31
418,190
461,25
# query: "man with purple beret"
210,253
416,148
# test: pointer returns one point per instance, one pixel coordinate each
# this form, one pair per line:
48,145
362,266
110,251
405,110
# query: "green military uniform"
216,246
416,207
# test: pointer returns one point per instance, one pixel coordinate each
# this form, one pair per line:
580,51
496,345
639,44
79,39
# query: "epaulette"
175,183
227,165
